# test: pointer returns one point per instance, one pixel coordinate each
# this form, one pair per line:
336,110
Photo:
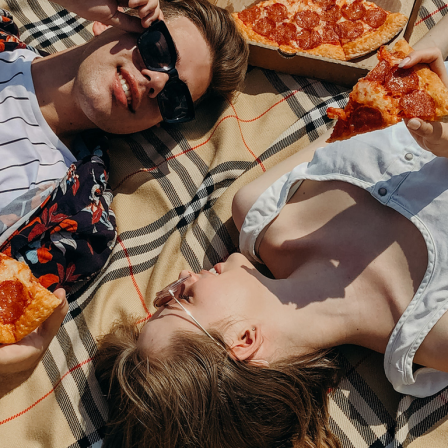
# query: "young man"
82,88
119,82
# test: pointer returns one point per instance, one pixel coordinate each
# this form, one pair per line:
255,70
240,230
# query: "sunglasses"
167,294
159,54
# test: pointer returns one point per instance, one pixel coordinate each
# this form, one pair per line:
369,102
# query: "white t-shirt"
30,152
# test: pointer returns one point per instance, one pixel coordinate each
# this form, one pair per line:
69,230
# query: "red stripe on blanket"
244,141
6,420
148,170
430,15
134,282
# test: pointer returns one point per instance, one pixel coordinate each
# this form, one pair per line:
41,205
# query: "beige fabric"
152,173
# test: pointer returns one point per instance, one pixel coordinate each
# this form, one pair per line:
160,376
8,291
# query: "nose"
156,81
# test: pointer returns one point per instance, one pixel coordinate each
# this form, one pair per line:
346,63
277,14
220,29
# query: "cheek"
92,90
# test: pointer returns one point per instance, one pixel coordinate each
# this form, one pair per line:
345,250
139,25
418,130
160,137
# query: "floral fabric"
65,231
9,34
70,236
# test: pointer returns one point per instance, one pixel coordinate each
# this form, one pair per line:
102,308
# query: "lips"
129,87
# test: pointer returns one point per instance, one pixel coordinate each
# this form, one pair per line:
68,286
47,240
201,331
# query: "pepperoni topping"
332,14
13,300
401,80
341,129
355,11
307,19
329,34
277,12
284,33
379,72
418,104
349,30
306,40
325,4
375,17
264,26
249,16
366,118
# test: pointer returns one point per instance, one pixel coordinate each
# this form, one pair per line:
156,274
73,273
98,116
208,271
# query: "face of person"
112,65
233,293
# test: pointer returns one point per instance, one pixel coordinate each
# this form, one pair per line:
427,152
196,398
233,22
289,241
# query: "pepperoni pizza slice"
388,94
337,29
24,302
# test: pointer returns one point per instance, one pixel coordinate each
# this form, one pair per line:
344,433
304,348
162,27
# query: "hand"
432,136
431,56
23,357
108,12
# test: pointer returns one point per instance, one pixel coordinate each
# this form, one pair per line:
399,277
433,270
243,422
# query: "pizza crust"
40,306
375,38
372,38
375,104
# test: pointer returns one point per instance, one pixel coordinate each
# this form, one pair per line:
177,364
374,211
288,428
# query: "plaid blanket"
173,189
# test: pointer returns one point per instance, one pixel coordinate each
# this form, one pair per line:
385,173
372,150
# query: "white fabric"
30,153
399,174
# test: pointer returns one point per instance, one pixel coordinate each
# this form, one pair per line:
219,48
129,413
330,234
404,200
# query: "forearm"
436,37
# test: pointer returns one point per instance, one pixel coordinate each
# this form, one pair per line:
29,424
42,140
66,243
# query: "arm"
108,12
18,361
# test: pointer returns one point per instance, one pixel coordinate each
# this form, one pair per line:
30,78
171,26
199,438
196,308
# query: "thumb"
126,22
51,326
428,130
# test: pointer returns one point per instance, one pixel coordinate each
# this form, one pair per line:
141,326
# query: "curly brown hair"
196,395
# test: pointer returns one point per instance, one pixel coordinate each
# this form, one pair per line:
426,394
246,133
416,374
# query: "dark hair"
198,396
228,48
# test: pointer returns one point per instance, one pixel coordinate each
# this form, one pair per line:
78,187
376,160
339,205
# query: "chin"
121,123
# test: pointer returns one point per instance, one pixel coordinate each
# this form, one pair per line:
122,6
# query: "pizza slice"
388,94
24,302
337,29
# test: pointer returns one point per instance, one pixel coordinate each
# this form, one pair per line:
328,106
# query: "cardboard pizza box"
332,70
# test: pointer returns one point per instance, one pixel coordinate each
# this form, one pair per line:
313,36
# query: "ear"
99,27
248,343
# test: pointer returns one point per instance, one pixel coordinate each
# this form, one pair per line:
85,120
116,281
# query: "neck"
303,324
54,78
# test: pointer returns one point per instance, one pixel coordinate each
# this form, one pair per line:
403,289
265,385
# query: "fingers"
149,14
50,327
431,56
25,354
148,11
431,131
126,22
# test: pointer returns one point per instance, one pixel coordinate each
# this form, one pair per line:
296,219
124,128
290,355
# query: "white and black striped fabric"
30,153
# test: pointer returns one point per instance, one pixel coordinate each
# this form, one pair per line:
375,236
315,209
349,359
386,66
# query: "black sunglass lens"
155,50
175,103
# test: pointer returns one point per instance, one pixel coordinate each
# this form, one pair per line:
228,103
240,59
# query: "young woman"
355,238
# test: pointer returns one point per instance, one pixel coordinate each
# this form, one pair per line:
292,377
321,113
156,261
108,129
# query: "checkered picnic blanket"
173,189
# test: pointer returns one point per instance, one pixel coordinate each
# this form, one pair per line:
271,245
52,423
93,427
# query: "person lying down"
355,238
